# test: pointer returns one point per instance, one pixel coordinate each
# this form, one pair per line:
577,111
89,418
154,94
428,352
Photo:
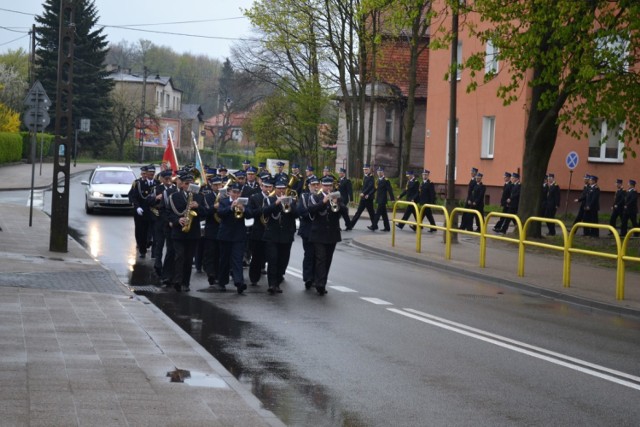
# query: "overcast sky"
224,23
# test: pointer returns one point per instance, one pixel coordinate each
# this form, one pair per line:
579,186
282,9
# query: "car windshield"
113,177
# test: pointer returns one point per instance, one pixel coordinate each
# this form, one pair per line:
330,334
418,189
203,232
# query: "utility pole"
450,202
32,56
63,132
143,112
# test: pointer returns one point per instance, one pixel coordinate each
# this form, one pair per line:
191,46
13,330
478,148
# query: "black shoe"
386,229
321,290
241,287
271,290
308,284
413,227
219,288
278,290
348,228
400,226
372,228
432,230
254,284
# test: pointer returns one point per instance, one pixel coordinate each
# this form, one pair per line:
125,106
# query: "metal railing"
567,247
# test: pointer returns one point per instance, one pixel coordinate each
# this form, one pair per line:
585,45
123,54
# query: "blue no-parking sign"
572,160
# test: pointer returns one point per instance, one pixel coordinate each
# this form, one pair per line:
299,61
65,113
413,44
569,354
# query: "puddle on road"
294,399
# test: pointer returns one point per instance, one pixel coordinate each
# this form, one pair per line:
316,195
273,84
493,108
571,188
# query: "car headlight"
96,194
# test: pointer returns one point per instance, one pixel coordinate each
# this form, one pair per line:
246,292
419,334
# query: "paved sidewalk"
78,348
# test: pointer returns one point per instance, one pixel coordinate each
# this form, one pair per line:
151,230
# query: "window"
612,54
491,59
388,125
167,102
605,144
488,136
446,160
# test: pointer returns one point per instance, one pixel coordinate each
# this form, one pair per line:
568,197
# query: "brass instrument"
232,179
238,212
286,203
188,213
222,193
333,201
290,191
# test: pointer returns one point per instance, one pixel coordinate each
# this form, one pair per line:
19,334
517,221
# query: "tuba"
238,212
188,213
286,203
292,183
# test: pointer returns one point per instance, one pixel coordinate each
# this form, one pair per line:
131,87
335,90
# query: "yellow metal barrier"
481,234
517,240
400,221
564,248
617,256
624,257
445,227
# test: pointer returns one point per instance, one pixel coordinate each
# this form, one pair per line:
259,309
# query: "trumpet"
238,209
286,203
333,201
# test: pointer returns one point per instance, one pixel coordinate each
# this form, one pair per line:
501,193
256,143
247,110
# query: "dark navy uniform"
211,254
161,230
617,210
630,208
467,217
346,194
427,196
255,243
366,198
513,201
582,199
278,236
384,193
232,235
411,192
140,190
592,207
325,235
304,231
184,243
550,204
506,191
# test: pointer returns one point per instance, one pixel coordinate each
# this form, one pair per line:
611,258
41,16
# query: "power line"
177,34
11,41
17,11
179,22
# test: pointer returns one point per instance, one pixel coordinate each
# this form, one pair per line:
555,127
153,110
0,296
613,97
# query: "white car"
108,188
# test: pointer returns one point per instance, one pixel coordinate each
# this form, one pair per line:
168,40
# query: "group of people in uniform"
249,220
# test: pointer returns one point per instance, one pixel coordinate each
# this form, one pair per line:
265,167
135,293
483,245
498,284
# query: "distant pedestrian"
592,206
427,196
466,216
384,193
581,199
630,208
346,195
506,191
617,210
366,197
513,201
411,192
550,202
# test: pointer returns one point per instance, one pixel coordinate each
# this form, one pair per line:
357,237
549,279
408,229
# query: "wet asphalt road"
398,344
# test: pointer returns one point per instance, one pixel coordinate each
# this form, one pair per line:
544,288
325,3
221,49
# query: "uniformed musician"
232,235
211,245
325,231
158,207
181,203
279,215
141,188
304,231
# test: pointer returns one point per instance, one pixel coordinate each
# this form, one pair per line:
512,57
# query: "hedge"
10,147
43,140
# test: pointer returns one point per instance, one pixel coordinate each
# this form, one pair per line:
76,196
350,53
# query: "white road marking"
342,289
295,273
38,199
520,347
376,301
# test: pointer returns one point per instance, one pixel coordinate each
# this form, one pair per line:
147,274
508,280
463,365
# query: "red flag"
170,155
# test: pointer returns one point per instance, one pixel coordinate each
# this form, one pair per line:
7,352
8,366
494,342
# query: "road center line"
519,347
342,289
377,301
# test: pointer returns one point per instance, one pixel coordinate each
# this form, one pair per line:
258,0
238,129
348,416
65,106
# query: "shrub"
10,147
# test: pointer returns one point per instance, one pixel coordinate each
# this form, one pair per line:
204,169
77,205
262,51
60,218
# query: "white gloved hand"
140,211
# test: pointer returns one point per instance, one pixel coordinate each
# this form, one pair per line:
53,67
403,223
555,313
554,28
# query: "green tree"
91,88
9,119
579,60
